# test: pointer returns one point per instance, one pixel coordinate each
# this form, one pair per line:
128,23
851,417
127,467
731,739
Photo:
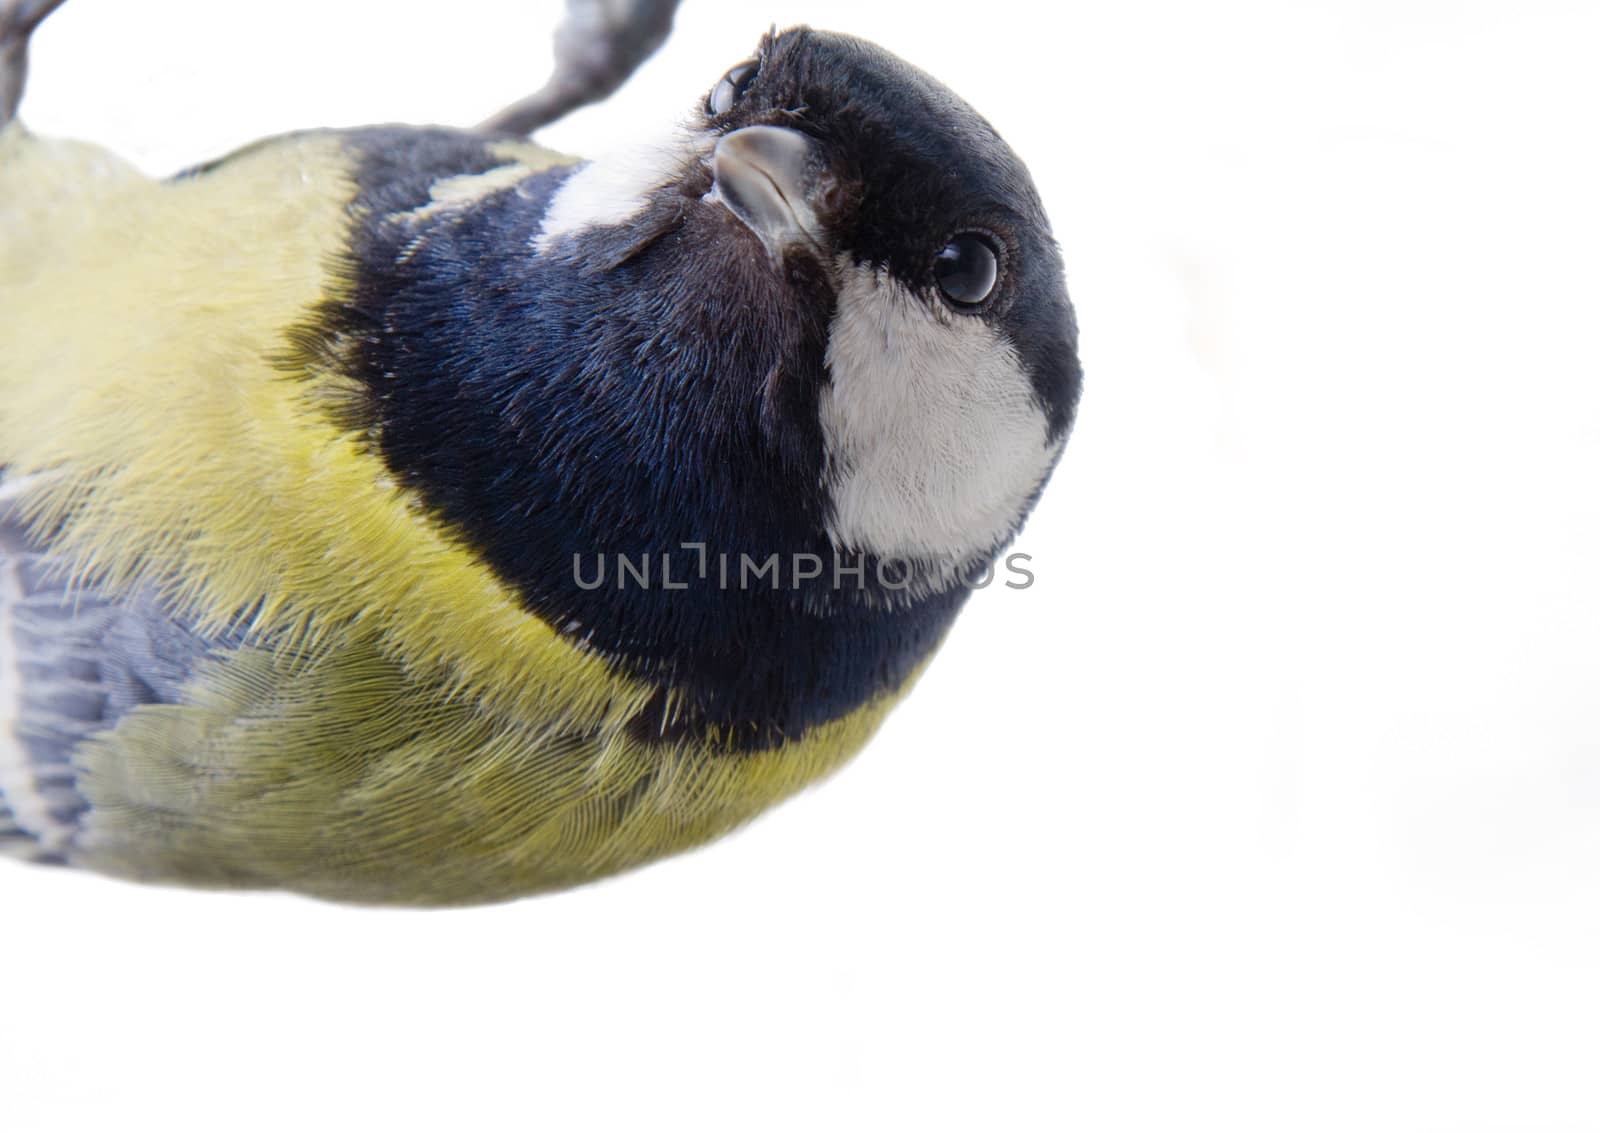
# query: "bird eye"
967,269
731,87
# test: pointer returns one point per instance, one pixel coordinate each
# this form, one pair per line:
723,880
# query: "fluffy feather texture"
399,728
613,189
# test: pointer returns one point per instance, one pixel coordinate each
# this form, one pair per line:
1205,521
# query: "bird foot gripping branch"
299,451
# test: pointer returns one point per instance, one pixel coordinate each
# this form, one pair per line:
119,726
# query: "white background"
1274,805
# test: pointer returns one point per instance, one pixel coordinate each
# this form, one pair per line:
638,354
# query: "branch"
598,46
17,21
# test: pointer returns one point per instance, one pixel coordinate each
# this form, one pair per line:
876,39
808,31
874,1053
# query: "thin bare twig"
598,46
17,21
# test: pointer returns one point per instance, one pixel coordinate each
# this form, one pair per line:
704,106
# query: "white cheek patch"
614,189
935,440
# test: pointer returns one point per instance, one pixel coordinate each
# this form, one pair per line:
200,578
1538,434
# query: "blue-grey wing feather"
74,661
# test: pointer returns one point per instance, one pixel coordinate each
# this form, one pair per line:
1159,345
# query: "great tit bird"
415,515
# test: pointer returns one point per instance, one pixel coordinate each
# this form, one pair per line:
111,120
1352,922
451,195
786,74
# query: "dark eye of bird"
967,269
731,87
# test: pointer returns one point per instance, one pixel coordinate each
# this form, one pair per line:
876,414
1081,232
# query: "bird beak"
763,176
